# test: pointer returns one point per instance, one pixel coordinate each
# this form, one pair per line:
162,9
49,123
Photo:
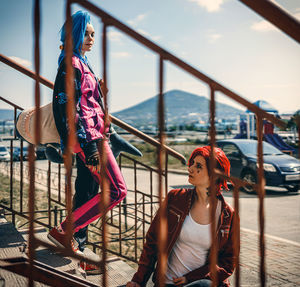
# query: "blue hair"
79,20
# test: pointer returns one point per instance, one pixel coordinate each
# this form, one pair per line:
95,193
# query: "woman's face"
89,39
198,173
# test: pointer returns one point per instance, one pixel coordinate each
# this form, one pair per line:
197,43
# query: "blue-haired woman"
90,129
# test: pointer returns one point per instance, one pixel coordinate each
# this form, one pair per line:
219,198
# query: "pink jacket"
89,107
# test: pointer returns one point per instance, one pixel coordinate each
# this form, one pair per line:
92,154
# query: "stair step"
12,245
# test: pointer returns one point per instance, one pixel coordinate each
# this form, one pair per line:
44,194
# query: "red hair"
222,163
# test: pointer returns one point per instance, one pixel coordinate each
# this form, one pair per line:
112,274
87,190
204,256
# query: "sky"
223,39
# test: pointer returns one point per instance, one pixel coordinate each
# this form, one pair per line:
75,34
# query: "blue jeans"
200,283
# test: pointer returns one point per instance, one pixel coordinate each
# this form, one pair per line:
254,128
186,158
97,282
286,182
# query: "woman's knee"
123,193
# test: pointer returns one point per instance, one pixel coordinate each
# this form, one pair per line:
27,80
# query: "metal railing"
141,200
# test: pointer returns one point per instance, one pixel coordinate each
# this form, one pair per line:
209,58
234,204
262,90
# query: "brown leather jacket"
179,202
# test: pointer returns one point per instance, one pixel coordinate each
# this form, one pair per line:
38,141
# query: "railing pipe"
70,113
11,177
261,195
236,235
103,204
32,239
162,232
113,119
49,192
212,190
277,16
27,72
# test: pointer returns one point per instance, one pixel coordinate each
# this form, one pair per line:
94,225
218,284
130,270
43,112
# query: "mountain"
180,108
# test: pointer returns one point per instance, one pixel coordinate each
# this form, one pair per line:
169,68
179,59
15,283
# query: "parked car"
4,154
16,153
280,169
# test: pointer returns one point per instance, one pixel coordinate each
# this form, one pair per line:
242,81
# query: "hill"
180,108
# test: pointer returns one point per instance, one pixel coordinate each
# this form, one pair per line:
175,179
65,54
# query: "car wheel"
250,177
292,188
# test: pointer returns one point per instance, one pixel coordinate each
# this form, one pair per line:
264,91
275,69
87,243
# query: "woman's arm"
60,115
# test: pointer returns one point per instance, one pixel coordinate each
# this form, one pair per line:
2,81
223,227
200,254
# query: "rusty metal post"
70,109
212,189
11,177
277,16
105,186
261,195
163,227
135,212
120,228
236,235
49,192
151,193
21,176
15,121
166,173
59,183
143,204
55,215
31,241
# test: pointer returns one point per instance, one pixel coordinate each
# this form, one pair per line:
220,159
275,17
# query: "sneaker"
90,269
60,239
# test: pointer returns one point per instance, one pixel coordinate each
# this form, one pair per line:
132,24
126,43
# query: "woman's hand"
102,86
132,284
93,162
179,281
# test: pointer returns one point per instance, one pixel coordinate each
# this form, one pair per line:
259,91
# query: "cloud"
114,36
214,37
209,5
265,26
146,34
135,21
119,55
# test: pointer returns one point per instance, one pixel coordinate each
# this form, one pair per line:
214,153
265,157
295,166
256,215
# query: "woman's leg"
90,211
86,187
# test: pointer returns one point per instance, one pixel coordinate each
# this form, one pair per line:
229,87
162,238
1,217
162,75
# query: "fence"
142,202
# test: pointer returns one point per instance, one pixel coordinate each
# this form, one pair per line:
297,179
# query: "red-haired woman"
189,235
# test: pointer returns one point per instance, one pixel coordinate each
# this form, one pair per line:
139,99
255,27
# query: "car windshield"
251,148
2,148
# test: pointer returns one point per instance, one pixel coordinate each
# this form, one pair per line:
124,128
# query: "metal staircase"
142,205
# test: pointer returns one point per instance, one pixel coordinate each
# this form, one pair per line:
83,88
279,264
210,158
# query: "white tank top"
190,249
